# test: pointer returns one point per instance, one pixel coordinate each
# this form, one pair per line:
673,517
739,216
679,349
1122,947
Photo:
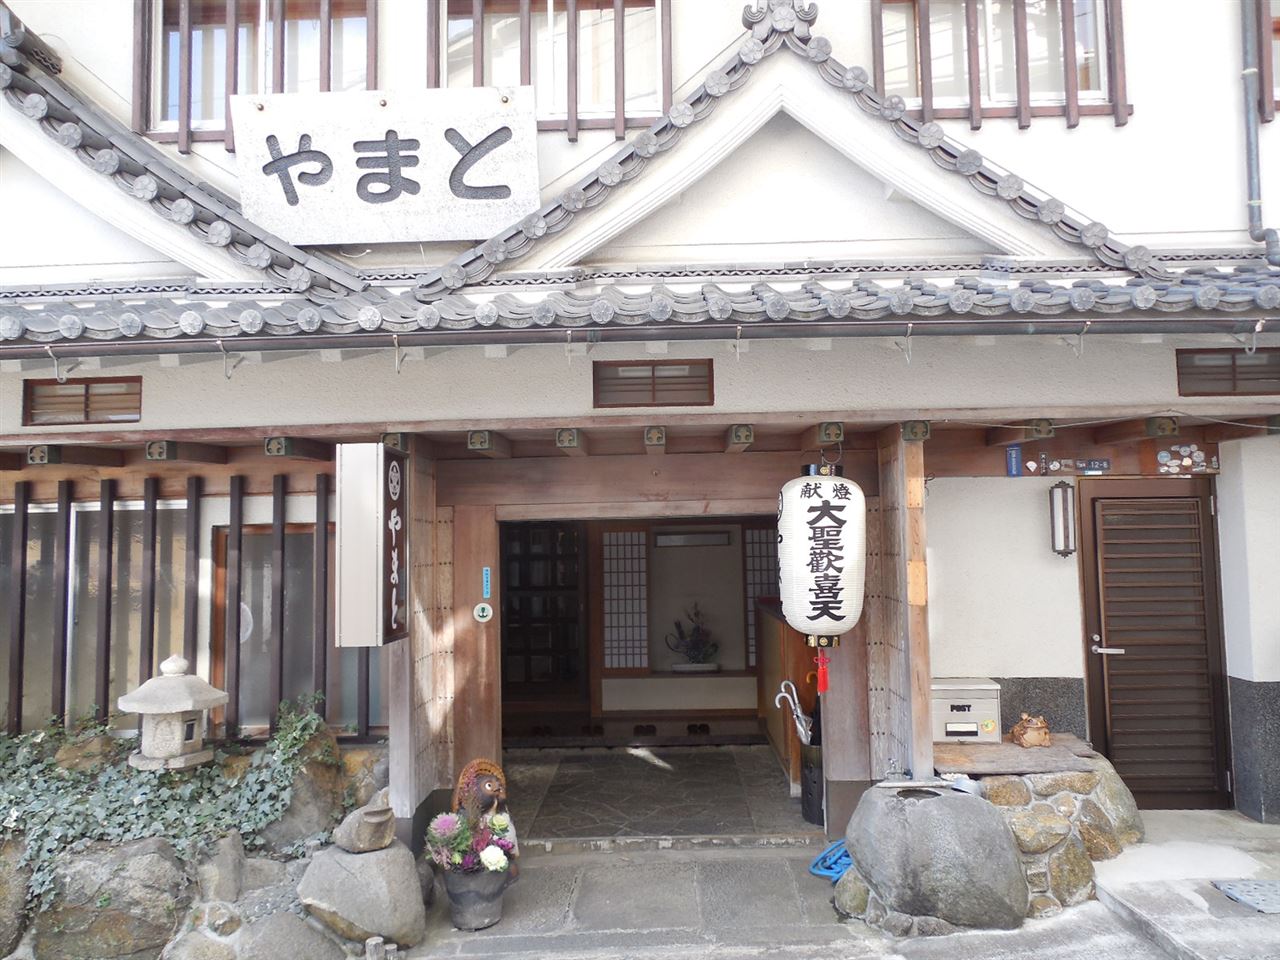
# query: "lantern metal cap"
822,470
174,691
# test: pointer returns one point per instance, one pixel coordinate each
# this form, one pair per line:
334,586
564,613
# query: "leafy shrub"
56,810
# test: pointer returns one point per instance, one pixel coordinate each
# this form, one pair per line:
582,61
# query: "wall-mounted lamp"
1062,518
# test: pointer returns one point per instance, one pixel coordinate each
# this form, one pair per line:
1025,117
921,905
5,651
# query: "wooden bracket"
572,441
297,448
916,430
739,438
489,444
655,440
1130,430
396,441
173,451
820,435
1028,432
51,453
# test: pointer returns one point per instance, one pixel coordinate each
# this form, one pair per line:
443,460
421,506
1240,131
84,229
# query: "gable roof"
784,23
30,84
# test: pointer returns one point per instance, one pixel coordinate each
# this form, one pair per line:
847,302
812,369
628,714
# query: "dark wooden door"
1153,643
544,657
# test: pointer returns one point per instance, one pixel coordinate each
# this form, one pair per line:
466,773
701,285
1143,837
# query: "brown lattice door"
1153,643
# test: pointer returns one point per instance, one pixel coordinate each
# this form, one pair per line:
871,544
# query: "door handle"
1108,651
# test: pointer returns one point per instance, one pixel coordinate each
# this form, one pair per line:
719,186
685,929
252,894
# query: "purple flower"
444,826
470,862
504,845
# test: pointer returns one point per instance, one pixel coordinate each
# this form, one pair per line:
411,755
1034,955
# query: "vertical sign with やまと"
371,587
822,555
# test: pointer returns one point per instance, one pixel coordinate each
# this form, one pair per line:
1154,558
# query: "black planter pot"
475,899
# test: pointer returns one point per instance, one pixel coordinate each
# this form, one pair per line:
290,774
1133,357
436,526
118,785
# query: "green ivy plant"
57,811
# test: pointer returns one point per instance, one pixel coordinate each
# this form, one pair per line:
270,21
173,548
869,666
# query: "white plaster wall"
711,577
1183,74
947,377
1001,602
1249,535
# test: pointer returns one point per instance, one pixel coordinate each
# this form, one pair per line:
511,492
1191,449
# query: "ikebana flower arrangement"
694,643
475,846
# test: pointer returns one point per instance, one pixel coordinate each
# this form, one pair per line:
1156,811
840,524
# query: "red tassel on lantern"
822,660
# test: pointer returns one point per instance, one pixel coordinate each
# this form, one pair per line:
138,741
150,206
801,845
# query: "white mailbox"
966,708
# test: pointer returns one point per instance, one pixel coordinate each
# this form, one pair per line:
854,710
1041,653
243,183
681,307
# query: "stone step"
1192,920
535,847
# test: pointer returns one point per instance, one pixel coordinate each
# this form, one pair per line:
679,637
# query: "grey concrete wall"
1060,699
1255,732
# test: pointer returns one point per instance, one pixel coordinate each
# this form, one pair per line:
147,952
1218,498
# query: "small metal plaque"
1262,895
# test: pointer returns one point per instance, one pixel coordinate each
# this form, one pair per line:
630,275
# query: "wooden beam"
820,435
489,444
1127,431
297,448
231,638
1242,429
1028,432
12,461
147,614
61,591
572,441
320,589
171,451
43,454
106,582
17,591
275,640
739,438
655,440
191,589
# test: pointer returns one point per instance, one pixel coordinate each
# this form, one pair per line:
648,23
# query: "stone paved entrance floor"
731,905
737,791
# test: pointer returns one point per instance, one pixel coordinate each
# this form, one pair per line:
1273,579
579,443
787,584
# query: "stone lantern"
172,707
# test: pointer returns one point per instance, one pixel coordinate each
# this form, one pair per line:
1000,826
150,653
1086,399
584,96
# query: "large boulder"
372,827
365,770
284,935
221,872
938,853
88,755
316,796
1117,803
110,902
363,895
13,894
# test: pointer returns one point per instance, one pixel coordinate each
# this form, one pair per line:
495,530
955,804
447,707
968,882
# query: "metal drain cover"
1262,895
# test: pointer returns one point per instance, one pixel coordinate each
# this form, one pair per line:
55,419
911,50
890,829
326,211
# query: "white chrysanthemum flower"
493,858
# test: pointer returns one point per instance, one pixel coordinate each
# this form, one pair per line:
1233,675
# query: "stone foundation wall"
1062,822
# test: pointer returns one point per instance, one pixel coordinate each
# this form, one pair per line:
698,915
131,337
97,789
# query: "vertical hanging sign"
822,555
371,545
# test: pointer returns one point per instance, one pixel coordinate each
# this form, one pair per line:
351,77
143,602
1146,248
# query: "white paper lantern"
822,554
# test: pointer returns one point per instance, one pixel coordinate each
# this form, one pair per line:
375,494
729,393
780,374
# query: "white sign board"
377,167
370,580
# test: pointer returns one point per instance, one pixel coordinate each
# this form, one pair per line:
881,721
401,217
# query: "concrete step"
536,846
1194,920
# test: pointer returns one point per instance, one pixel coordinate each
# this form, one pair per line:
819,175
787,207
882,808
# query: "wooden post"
906,589
477,701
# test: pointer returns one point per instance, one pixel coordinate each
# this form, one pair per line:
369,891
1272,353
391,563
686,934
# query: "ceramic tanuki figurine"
475,846
1031,732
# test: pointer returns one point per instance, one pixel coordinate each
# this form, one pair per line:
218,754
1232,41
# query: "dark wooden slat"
140,119
877,44
362,692
184,76
231,641
1070,69
571,29
973,63
666,56
277,46
106,586
1266,77
1022,67
619,72
526,42
276,641
17,587
191,588
320,564
61,589
147,615
371,44
433,44
326,46
233,74
477,43
924,54
1115,63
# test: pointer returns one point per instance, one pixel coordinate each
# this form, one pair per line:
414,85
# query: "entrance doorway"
1153,640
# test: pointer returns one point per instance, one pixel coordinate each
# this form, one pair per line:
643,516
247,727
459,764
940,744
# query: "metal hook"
568,343
395,339
227,364
1078,346
1251,345
905,347
822,454
737,344
58,373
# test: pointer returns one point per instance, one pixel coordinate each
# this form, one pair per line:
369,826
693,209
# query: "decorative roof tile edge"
112,150
1215,301
783,22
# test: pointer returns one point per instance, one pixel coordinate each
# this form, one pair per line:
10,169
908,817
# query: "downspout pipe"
1249,83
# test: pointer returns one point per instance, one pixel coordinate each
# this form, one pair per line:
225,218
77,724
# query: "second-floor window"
594,64
1001,58
202,51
